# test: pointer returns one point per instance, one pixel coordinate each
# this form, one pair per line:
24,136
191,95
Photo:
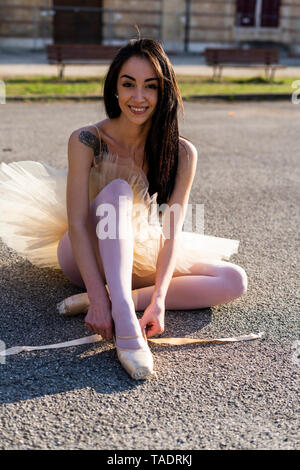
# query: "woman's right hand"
99,319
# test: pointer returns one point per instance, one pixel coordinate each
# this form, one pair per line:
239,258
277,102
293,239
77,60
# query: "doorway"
74,23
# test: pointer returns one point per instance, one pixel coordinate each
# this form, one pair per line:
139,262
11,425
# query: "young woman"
135,158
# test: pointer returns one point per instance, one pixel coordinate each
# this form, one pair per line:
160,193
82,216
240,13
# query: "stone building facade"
182,25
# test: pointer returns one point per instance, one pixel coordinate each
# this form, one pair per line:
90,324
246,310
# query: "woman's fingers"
150,330
106,333
154,328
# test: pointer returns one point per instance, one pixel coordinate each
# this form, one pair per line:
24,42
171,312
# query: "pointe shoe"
137,362
74,305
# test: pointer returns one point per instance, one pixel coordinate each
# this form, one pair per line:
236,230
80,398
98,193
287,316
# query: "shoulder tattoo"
89,139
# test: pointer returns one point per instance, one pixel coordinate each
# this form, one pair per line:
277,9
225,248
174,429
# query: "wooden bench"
218,58
79,54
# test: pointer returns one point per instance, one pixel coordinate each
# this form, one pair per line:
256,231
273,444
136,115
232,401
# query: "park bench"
79,54
218,58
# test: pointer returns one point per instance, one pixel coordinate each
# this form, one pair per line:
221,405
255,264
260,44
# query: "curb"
231,98
54,98
242,97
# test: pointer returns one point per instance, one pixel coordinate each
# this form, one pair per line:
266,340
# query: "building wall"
119,22
23,19
212,22
215,21
288,32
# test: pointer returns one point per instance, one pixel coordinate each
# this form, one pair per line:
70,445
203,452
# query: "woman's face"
137,87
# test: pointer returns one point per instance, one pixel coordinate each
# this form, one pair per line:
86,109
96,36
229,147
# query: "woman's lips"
138,109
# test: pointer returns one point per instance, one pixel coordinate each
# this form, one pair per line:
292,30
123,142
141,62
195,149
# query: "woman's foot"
132,348
74,305
137,362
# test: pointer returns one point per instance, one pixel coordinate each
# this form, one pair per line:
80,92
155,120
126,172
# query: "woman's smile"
138,109
137,89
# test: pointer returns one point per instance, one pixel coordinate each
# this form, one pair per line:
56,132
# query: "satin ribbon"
96,338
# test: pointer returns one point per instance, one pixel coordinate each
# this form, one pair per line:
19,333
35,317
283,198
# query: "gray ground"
232,396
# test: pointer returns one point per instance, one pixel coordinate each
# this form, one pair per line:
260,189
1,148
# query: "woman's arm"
86,262
172,226
174,218
80,158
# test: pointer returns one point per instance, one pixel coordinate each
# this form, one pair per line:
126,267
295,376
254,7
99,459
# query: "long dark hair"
162,143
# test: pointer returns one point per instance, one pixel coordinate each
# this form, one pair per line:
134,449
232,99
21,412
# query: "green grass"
52,86
234,86
189,85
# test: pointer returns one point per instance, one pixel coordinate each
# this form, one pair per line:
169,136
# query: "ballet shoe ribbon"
96,338
180,341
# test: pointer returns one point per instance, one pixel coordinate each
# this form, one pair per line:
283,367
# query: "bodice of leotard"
103,149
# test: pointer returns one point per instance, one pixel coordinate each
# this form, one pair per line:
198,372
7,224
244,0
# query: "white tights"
212,282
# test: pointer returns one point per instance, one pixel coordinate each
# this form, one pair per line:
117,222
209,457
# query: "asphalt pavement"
228,396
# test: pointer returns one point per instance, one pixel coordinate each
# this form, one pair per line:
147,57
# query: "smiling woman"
141,94
134,158
137,95
141,76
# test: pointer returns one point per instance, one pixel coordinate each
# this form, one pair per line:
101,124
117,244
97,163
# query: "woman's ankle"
125,318
126,304
130,344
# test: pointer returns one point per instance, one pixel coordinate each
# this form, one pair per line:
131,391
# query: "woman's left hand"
154,318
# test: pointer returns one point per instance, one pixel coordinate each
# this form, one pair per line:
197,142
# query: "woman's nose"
139,95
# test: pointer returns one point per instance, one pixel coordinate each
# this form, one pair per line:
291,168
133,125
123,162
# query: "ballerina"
135,156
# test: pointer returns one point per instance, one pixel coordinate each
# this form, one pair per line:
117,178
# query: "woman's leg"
65,255
67,261
211,282
117,259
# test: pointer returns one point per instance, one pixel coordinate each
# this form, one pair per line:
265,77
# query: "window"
245,14
270,13
257,13
77,26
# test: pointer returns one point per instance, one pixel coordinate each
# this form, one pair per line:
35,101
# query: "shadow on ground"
29,317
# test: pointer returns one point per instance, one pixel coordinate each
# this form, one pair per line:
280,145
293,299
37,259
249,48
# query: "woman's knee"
110,196
236,279
114,189
61,249
67,261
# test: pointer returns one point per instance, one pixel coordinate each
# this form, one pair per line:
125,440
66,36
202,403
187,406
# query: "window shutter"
270,13
245,13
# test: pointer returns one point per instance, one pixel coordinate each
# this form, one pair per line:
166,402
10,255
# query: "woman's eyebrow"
131,78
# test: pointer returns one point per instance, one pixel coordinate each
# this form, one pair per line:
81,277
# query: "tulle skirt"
33,215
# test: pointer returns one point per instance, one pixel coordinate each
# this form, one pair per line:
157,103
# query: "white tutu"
34,217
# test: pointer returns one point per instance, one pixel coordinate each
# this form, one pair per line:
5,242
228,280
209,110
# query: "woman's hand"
99,319
154,318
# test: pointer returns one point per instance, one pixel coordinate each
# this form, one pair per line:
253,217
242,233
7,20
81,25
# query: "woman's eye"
152,86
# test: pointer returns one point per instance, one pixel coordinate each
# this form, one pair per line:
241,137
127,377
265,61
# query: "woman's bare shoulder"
186,146
101,125
187,151
86,137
